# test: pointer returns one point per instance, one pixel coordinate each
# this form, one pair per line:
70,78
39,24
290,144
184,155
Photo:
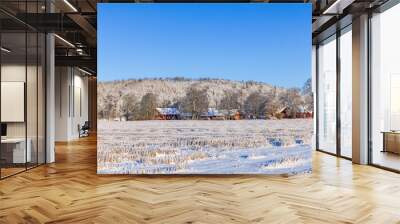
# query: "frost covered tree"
148,105
230,101
195,102
308,95
106,107
127,106
253,105
292,99
270,104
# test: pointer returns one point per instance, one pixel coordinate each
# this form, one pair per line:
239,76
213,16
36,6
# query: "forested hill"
172,91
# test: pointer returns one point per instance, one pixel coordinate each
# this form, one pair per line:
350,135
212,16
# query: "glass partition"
327,95
385,89
346,92
31,99
13,114
41,109
23,91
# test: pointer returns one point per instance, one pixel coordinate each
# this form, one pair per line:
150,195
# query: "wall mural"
204,89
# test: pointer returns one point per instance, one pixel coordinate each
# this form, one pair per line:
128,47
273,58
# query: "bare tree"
270,105
148,106
195,102
126,106
101,114
230,101
107,107
167,103
292,99
308,95
253,105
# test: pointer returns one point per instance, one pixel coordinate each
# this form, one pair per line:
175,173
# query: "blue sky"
262,42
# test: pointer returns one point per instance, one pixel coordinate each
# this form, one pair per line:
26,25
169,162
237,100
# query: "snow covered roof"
212,112
168,111
229,112
282,110
299,108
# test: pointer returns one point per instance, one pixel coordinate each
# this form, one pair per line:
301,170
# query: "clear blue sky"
263,42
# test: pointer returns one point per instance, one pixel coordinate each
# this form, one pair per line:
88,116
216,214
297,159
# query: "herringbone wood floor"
69,191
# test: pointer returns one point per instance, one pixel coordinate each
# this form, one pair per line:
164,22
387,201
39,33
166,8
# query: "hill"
172,90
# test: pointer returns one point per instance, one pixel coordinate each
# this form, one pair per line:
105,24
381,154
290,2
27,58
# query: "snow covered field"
204,147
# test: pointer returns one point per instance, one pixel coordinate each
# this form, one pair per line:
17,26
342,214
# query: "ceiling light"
70,5
65,41
5,50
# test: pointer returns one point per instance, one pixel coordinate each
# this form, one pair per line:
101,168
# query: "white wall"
33,125
62,82
14,72
70,83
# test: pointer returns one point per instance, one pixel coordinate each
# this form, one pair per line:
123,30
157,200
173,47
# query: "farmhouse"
233,114
305,114
167,113
285,112
213,114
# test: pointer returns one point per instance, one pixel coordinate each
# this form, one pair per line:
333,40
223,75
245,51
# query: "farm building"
213,114
231,114
305,114
286,112
167,113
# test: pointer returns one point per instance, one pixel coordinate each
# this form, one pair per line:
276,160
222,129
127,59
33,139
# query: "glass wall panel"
31,97
23,90
327,95
385,88
13,114
41,98
346,92
32,88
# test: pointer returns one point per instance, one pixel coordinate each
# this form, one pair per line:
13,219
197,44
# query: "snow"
205,147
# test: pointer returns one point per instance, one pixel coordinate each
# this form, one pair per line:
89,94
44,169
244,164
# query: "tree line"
196,102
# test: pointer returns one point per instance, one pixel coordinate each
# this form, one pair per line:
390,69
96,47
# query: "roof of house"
212,112
299,108
231,112
282,110
168,111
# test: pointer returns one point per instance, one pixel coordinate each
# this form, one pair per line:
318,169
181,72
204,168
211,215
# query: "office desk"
13,150
391,141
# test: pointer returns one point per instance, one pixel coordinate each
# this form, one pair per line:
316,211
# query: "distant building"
167,113
213,114
285,112
233,114
305,114
185,116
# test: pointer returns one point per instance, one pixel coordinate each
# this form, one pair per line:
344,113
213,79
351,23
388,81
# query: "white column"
314,90
50,99
360,90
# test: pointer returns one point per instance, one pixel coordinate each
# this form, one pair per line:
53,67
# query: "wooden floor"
69,191
386,159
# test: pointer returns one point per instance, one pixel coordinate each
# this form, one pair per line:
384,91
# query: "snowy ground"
207,147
